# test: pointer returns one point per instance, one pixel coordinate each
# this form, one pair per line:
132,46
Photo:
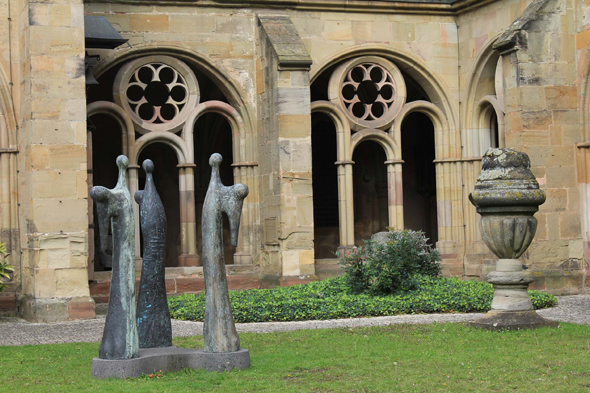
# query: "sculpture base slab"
512,320
169,359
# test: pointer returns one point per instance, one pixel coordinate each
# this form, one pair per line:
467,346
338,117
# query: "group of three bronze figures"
138,339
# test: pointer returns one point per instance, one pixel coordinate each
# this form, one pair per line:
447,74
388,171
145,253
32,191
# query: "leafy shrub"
5,268
384,269
329,299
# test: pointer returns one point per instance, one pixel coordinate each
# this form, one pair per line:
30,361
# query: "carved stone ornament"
158,93
507,195
370,90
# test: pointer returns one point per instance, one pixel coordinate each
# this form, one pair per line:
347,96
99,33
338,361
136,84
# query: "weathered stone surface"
153,317
507,195
115,208
219,330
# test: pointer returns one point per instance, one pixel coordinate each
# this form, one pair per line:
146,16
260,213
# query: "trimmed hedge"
329,299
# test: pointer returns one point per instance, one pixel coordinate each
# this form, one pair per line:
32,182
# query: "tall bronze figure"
153,317
219,330
115,207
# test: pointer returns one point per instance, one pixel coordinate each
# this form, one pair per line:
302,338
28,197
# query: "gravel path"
16,331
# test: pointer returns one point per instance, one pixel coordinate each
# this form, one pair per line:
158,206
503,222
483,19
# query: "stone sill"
188,271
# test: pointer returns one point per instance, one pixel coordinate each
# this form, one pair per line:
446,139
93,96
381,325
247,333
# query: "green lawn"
424,358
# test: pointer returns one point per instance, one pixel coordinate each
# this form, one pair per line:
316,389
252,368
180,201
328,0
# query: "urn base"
512,320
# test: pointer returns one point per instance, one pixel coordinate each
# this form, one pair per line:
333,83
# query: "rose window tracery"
158,92
370,90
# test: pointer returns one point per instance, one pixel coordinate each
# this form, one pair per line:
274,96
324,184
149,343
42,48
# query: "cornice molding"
441,7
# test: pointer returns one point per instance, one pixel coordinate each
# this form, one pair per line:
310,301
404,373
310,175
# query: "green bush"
329,299
5,268
384,269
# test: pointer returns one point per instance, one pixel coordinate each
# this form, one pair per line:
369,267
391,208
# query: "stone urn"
507,195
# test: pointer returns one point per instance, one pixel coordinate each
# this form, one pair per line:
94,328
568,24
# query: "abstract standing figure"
115,207
219,330
153,317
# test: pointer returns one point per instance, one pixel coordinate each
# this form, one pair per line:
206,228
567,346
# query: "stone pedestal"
170,359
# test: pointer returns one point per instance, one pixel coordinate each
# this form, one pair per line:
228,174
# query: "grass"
421,358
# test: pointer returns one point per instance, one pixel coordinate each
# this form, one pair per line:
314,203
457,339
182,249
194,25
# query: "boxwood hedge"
329,299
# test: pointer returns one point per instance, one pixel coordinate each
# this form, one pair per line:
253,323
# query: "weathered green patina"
219,330
115,207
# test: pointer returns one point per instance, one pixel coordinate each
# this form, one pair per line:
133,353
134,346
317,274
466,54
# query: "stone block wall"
52,163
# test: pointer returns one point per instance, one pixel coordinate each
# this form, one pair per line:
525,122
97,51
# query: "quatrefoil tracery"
368,91
157,93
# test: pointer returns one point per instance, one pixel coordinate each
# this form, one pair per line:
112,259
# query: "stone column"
188,224
345,206
285,151
132,174
395,194
54,193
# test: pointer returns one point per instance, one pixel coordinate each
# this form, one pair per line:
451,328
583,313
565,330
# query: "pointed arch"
409,63
214,71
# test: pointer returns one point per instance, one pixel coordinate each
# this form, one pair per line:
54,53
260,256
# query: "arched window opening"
166,182
213,134
419,176
370,191
494,137
106,146
325,186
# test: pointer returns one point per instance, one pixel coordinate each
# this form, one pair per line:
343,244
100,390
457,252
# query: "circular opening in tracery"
134,93
358,110
378,110
146,112
348,92
357,75
376,74
168,112
386,92
166,75
156,93
178,93
145,75
367,92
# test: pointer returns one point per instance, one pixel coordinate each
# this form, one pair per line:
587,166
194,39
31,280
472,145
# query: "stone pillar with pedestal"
507,195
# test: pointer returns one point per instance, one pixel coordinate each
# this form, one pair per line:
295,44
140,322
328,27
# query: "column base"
342,251
242,258
512,320
187,260
48,310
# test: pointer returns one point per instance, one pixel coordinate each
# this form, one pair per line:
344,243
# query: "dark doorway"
370,191
213,134
419,175
106,147
325,186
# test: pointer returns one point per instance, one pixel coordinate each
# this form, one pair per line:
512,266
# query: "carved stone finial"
219,330
153,316
115,208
